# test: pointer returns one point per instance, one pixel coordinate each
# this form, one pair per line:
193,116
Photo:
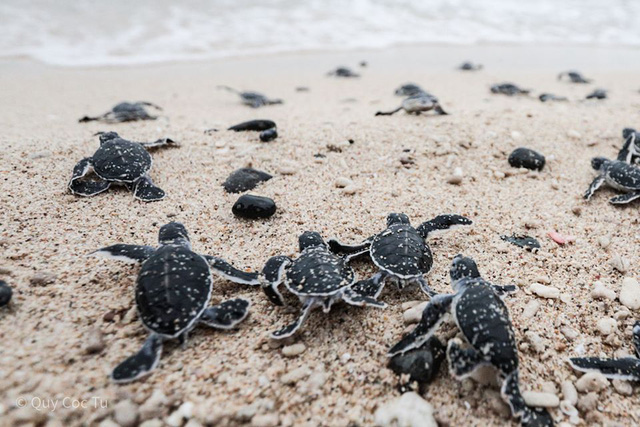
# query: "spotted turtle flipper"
636,337
371,287
82,187
163,142
503,291
593,187
291,329
625,198
229,272
141,363
227,314
354,298
272,276
625,368
462,362
128,253
442,223
349,251
432,316
529,417
146,191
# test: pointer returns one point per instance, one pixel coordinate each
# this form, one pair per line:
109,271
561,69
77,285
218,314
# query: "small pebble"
177,417
414,314
604,241
288,168
577,210
350,189
456,178
560,238
537,343
607,325
569,392
573,134
600,291
592,381
544,291
569,333
244,179
588,402
94,341
541,399
265,420
526,158
293,350
125,413
5,293
153,406
254,207
42,278
268,135
630,293
408,410
530,309
569,409
622,387
296,375
620,263
499,174
342,182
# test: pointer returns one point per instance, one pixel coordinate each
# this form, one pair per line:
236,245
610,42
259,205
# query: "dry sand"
229,376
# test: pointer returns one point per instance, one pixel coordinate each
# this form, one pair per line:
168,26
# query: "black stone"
597,94
268,135
526,158
421,363
253,207
344,72
253,125
5,293
245,179
527,242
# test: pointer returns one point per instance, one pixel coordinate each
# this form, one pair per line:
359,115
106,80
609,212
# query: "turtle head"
310,239
397,218
174,233
598,163
107,136
627,132
462,267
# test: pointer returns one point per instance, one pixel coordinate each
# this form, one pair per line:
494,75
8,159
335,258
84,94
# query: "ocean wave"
93,33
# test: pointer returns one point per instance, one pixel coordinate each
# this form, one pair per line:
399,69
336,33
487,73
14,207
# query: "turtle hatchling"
598,94
343,72
417,104
125,112
624,368
630,151
509,89
483,319
618,175
252,99
469,66
172,292
400,252
317,277
118,161
574,77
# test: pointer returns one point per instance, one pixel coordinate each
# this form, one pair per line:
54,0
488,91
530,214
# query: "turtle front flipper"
636,337
432,316
354,298
388,113
503,291
291,329
128,253
625,368
141,363
529,417
371,287
349,251
146,191
229,272
625,198
86,188
227,314
272,276
163,142
442,223
595,184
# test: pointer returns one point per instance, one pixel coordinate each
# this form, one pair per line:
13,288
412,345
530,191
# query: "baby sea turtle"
252,99
125,112
400,252
118,161
483,319
574,77
598,94
417,104
343,72
509,89
173,289
317,277
630,151
624,368
409,89
618,175
469,66
551,97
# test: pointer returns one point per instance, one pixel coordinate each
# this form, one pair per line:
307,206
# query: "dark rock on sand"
254,207
245,179
526,158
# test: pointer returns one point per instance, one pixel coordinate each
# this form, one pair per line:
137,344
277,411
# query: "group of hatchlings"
175,283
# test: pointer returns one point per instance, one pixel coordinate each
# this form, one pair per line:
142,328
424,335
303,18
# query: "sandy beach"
398,164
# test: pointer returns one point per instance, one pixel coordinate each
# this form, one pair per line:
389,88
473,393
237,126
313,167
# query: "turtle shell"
624,175
173,289
318,272
484,320
121,160
402,252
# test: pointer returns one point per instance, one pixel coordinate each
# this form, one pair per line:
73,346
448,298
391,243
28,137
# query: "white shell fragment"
544,291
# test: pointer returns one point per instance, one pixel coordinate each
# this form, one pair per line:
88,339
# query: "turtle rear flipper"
159,143
529,417
442,223
349,251
86,188
626,368
126,253
625,198
146,191
141,363
227,314
371,287
229,272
